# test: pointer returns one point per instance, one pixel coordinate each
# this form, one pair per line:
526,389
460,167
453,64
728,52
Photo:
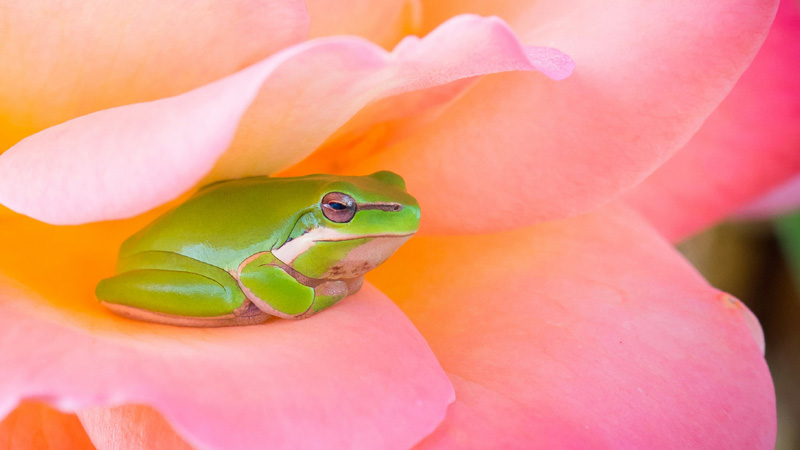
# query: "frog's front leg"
281,291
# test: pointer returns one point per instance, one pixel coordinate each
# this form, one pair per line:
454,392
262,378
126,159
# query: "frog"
242,251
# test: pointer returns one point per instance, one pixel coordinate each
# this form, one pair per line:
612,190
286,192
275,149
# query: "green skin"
243,250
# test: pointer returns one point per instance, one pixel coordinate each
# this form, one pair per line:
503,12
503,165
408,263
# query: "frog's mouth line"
369,236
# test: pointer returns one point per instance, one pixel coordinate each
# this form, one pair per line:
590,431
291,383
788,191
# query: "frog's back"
227,221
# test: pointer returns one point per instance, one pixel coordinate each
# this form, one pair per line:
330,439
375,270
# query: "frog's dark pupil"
338,206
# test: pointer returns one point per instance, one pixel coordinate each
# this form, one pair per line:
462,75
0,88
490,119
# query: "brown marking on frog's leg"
274,261
247,314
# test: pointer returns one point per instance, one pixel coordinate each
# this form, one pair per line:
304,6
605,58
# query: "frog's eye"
338,207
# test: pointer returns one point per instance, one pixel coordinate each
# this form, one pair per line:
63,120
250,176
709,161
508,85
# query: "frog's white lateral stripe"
289,251
299,245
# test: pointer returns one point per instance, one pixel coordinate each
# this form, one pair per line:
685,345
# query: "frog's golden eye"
338,207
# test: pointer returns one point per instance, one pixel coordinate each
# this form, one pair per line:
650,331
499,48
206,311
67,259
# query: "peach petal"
64,59
437,11
592,332
379,125
522,151
384,22
120,162
37,426
359,375
746,148
130,427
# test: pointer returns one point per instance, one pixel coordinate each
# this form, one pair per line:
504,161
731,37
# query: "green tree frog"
240,251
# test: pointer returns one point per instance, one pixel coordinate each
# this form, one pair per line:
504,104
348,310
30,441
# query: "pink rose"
536,310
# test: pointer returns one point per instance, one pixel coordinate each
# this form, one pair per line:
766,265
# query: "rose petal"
781,200
303,104
37,426
130,427
384,22
747,147
65,59
358,376
528,150
591,332
379,125
436,12
120,162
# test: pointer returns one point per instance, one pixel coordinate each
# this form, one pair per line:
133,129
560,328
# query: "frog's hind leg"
174,289
249,315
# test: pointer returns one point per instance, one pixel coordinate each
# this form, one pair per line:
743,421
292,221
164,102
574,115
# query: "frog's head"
355,224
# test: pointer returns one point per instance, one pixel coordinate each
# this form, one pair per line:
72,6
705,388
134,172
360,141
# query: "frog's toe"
328,294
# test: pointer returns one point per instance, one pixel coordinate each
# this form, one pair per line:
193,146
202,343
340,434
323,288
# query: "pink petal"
68,58
303,104
120,162
747,147
357,376
781,200
37,426
523,150
591,332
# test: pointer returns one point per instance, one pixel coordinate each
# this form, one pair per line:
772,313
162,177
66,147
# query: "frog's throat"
290,250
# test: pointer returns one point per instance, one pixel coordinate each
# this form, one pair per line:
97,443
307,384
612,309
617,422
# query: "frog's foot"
327,294
247,314
281,291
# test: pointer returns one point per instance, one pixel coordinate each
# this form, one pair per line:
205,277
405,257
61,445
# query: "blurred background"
759,263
